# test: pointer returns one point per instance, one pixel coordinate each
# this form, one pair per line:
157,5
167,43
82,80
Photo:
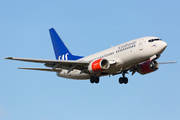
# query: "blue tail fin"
60,49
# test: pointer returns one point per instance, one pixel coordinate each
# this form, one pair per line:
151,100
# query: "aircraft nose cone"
164,44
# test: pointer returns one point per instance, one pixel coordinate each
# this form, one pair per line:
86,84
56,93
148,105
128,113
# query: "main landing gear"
123,79
94,79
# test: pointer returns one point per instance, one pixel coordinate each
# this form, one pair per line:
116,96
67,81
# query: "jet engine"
148,67
98,65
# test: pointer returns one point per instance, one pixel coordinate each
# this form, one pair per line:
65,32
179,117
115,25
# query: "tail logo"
64,57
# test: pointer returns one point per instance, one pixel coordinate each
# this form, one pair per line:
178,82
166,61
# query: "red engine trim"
146,67
96,66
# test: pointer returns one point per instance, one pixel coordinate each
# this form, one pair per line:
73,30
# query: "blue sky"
86,28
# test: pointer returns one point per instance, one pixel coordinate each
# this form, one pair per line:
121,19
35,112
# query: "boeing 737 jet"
138,55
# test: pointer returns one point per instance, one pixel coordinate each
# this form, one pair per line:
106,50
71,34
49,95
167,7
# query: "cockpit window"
152,40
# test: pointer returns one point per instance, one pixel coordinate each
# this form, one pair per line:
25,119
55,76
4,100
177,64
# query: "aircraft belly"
128,58
75,74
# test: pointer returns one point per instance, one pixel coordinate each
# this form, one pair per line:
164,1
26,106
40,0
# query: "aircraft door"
141,44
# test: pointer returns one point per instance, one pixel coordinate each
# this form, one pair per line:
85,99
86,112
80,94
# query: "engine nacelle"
148,67
98,65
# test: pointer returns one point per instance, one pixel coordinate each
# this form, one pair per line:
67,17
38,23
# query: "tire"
121,81
125,80
97,80
92,79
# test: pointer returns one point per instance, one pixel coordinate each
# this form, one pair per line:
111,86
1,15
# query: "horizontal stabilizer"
43,69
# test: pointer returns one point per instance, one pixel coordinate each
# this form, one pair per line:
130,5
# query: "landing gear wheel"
97,80
121,80
125,80
92,80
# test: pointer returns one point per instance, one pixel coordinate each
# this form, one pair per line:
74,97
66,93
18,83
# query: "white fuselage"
124,55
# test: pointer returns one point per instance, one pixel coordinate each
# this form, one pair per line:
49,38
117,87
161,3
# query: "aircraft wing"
49,61
63,64
171,62
43,69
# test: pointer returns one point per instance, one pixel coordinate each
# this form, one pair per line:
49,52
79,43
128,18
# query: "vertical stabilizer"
60,49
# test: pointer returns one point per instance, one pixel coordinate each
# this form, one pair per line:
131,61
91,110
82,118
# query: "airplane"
138,55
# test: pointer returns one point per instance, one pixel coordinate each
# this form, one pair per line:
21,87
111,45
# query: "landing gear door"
141,45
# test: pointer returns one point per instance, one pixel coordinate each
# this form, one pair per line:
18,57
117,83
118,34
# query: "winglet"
8,58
